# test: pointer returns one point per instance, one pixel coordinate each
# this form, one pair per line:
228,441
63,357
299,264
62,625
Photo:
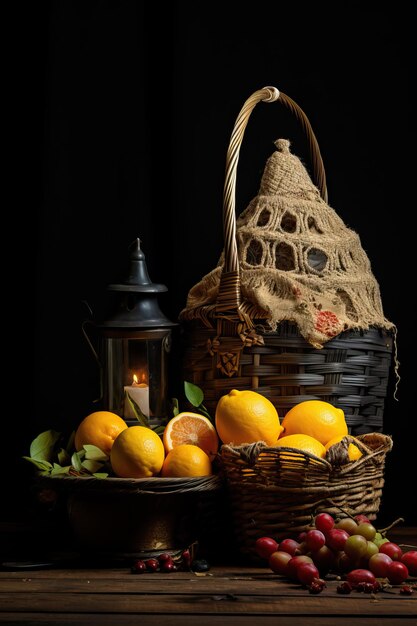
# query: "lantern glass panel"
135,363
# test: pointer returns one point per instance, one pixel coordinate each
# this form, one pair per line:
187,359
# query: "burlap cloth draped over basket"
292,309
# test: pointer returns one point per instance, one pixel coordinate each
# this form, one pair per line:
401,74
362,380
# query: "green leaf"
42,465
63,457
159,430
100,474
193,393
142,419
42,448
93,453
58,469
76,461
175,406
92,466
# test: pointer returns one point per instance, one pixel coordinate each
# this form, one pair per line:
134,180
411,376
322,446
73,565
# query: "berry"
152,565
164,556
315,540
289,545
293,563
348,524
278,561
365,587
265,546
357,576
336,539
168,566
366,530
345,587
138,567
317,586
392,549
186,559
356,546
410,560
324,522
306,573
406,590
378,564
397,573
324,559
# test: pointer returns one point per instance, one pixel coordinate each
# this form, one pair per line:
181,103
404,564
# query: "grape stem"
383,531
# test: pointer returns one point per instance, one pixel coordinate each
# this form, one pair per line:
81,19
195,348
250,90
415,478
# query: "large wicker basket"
275,491
351,371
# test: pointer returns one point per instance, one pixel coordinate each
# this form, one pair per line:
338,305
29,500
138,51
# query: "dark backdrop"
118,120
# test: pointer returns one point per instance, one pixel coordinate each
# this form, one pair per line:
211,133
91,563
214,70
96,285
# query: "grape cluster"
167,563
349,547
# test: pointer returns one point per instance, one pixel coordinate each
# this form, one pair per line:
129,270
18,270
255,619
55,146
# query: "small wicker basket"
225,344
274,491
122,518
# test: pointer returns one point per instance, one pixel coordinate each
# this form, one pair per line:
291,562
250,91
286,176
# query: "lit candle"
139,392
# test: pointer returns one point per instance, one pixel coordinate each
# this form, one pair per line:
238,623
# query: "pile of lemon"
191,441
186,449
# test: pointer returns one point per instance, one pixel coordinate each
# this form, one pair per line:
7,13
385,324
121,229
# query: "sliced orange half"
193,429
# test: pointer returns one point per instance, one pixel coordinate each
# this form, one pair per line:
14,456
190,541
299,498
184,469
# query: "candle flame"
135,379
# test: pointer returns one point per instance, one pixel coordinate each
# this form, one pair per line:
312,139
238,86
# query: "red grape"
397,572
344,562
278,561
392,549
289,545
265,546
378,564
324,522
306,573
410,560
357,576
361,518
292,565
336,538
315,539
324,559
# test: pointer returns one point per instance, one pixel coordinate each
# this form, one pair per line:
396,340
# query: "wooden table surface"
232,594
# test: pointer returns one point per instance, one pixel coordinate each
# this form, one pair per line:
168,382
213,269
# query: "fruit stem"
407,545
394,523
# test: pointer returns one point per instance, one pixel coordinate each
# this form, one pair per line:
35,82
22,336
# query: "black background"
118,117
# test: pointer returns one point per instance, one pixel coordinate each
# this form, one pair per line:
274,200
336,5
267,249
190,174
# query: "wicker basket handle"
229,289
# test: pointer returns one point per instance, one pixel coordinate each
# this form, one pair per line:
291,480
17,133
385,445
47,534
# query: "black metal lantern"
135,343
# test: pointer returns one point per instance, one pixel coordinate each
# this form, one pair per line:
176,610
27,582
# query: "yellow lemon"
304,443
247,417
138,452
316,418
353,451
99,429
186,460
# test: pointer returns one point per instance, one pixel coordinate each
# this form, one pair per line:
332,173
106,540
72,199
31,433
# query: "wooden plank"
169,584
206,604
78,619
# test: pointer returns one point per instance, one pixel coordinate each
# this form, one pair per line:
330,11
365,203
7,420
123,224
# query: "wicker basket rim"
378,444
152,485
